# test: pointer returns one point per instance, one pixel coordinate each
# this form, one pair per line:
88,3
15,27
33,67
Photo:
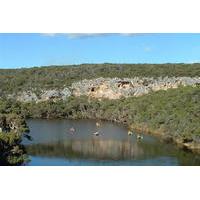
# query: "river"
54,144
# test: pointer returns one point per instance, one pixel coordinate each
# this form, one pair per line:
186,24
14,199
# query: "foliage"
175,112
15,80
13,128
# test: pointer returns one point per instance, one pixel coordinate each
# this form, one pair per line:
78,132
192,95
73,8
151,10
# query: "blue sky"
27,50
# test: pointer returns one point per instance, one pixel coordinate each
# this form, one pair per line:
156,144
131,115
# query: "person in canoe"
96,133
98,124
139,137
130,132
72,130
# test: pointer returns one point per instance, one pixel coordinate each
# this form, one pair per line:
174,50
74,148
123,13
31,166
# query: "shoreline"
194,147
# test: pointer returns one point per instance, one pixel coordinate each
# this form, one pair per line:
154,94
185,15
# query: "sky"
34,49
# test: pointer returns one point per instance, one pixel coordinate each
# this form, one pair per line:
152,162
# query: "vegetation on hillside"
175,113
15,80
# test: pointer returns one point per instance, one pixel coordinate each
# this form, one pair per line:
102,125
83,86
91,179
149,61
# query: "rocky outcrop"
45,95
26,96
111,88
55,95
117,88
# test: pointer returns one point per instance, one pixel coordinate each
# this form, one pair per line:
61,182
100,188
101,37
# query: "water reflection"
94,148
52,141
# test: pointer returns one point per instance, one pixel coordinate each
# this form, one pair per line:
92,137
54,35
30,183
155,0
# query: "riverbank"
156,99
173,114
180,142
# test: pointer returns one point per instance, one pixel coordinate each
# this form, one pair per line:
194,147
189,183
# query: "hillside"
14,80
157,99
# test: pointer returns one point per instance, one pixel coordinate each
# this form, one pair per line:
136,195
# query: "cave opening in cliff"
123,84
92,89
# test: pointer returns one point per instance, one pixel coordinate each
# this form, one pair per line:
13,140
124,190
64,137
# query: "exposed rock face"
49,94
27,96
65,93
55,94
111,88
117,88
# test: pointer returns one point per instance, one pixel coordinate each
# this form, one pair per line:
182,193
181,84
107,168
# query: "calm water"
53,144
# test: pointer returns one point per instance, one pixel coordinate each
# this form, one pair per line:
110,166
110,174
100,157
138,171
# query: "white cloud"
49,34
86,35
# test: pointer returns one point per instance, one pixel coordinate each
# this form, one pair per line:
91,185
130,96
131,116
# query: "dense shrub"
13,128
14,80
175,112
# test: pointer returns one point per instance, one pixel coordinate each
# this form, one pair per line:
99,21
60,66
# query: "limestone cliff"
111,88
117,88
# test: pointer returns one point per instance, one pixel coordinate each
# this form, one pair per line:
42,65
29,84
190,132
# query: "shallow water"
54,145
